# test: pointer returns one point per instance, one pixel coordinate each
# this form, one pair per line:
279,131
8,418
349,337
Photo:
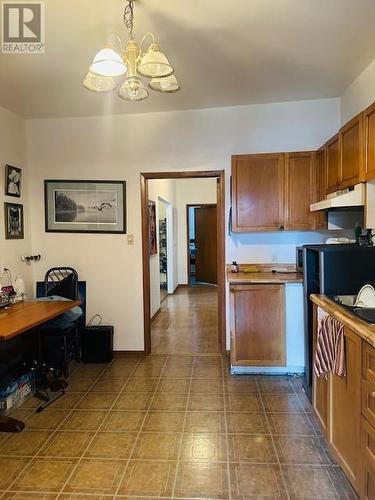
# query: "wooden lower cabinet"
344,429
257,325
368,461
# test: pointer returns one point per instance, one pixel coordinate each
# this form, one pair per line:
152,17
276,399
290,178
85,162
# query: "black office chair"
59,345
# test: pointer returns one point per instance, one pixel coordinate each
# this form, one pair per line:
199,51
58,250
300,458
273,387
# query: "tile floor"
170,426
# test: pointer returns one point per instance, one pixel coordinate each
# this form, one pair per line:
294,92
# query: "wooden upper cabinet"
369,132
258,192
300,189
351,152
333,164
321,186
257,325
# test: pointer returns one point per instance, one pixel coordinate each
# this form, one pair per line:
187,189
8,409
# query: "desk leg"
8,424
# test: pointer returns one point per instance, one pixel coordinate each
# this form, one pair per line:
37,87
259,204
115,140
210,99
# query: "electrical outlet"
130,238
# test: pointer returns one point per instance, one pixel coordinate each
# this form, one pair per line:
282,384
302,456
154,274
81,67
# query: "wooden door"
257,325
369,126
300,188
258,192
351,152
333,164
345,413
206,244
321,187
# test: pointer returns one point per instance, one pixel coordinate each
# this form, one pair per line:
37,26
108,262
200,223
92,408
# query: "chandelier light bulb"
154,63
108,62
133,89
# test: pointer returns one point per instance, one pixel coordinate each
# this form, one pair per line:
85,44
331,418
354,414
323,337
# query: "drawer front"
368,461
368,401
368,486
368,363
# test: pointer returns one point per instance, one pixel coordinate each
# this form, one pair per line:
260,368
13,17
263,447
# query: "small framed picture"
13,221
153,250
13,178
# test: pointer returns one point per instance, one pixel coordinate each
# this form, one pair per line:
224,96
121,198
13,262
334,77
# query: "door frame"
192,205
220,203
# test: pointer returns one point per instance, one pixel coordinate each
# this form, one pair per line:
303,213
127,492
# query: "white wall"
122,146
13,152
159,189
189,191
359,94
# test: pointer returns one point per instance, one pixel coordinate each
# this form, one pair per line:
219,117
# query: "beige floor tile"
282,403
141,385
73,496
120,421
164,421
207,372
88,371
300,450
109,385
275,385
27,443
111,445
170,402
240,385
96,476
206,402
244,402
206,360
179,360
178,371
44,475
144,478
133,401
16,495
84,420
257,481
68,401
310,483
47,419
157,446
147,371
97,401
202,480
204,447
79,384
212,385
290,423
9,469
251,448
120,371
205,422
250,423
67,444
174,386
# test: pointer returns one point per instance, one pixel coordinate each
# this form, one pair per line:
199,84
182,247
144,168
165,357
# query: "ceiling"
224,53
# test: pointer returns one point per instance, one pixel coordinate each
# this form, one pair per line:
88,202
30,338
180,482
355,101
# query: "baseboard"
128,354
156,314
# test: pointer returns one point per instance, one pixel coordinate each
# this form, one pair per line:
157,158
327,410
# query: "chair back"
62,281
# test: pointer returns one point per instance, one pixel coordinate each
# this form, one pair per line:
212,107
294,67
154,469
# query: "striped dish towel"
330,347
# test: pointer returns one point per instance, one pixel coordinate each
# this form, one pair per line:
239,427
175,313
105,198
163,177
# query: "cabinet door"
351,152
369,126
258,325
300,190
345,410
368,459
321,187
257,192
333,164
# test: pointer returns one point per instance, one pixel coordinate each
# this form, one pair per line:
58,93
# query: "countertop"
264,274
358,325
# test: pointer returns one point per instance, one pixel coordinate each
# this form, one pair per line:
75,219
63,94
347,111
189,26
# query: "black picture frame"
67,195
13,181
14,224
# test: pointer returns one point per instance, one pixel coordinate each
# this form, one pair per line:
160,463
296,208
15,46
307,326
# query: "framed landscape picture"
85,206
152,228
13,213
13,178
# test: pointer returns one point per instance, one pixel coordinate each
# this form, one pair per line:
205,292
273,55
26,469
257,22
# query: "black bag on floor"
97,343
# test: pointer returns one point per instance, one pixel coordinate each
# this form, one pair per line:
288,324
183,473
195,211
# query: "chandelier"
133,61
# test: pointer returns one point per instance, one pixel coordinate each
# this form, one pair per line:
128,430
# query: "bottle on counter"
234,268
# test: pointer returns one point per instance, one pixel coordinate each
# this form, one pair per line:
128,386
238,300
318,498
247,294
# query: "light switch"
130,239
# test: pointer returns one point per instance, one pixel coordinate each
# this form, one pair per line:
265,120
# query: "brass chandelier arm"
115,36
149,34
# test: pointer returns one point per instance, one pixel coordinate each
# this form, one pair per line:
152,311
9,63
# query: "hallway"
187,322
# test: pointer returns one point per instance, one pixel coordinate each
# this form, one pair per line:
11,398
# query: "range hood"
341,199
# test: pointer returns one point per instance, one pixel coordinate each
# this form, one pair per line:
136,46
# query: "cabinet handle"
231,289
281,227
372,394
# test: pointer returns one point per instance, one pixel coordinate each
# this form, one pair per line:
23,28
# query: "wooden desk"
24,316
20,318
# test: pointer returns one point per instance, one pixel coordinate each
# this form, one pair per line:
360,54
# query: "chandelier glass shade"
133,62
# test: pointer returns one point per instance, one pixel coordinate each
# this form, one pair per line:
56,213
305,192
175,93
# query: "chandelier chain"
129,17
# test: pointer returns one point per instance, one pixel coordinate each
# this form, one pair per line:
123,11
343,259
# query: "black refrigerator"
332,270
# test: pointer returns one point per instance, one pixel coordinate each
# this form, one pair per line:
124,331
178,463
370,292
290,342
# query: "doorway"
202,244
220,245
163,249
